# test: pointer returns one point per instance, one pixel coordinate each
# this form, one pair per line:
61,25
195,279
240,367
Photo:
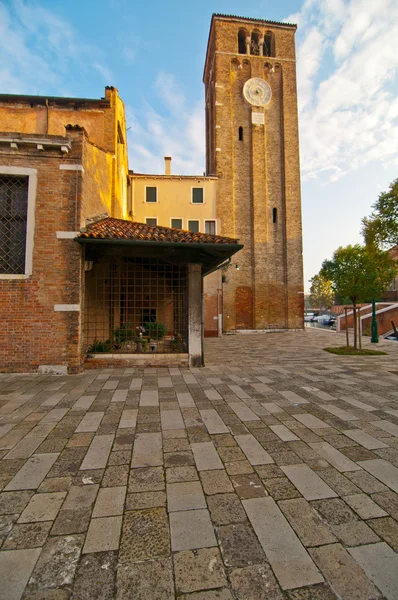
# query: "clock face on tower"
257,91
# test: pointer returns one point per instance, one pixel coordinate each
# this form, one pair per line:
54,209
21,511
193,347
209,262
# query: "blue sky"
154,52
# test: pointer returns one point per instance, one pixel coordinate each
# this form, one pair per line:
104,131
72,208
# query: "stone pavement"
271,474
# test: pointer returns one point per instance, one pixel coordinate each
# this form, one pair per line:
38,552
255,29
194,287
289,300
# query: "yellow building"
183,202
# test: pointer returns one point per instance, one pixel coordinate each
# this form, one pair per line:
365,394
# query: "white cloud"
179,132
348,117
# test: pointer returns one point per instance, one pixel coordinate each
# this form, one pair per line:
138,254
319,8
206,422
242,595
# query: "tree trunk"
354,312
346,327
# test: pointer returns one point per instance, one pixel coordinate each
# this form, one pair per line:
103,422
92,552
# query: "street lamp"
375,334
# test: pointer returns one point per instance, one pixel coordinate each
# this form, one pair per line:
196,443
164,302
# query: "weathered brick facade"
258,193
76,178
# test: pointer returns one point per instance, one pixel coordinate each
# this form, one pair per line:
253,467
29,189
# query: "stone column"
195,315
248,42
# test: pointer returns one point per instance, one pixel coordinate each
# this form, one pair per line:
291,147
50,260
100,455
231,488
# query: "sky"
154,53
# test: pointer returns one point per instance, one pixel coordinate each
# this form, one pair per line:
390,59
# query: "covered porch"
144,291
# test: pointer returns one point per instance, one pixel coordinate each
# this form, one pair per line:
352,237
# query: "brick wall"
257,175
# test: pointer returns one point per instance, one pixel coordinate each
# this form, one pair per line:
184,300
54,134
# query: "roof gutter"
194,245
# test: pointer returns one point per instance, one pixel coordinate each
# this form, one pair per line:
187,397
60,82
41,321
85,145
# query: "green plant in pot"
155,330
124,333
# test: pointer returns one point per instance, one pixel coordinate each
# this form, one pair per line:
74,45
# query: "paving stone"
364,506
281,488
284,433
289,560
128,418
185,400
98,452
253,450
145,535
216,482
149,479
311,486
81,497
33,472
121,457
115,476
110,502
231,454
344,523
191,530
42,507
175,445
306,522
269,471
103,534
83,403
147,451
14,502
388,501
95,577
341,484
345,576
6,524
213,422
16,567
145,500
334,457
185,496
56,565
90,422
321,591
171,419
70,521
382,470
27,535
179,459
248,486
387,529
310,421
239,467
363,438
239,545
226,509
387,426
80,439
199,570
380,564
255,583
148,580
25,447
243,411
180,474
89,477
206,457
358,453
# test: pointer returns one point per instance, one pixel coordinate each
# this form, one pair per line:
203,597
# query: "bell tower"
252,146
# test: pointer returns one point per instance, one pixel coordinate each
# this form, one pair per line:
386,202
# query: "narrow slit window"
242,42
268,45
241,134
274,215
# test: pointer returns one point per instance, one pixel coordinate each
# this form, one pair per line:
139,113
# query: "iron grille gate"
13,219
135,305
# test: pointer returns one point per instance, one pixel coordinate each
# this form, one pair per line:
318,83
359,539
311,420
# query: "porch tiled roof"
119,229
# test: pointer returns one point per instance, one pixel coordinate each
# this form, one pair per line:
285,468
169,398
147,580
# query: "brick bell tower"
252,146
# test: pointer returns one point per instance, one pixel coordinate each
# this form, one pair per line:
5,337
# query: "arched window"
241,134
242,41
254,44
274,215
269,45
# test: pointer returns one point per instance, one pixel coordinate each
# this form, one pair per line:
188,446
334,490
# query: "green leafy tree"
360,274
321,292
380,229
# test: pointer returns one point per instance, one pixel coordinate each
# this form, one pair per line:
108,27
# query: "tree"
381,227
321,293
360,274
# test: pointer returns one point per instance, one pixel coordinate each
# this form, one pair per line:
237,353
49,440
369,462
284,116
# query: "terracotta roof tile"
118,229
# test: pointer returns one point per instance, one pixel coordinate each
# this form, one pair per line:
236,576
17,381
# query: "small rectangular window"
13,223
210,227
176,223
193,226
197,195
151,194
151,221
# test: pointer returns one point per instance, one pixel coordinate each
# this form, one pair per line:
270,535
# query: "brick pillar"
195,315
